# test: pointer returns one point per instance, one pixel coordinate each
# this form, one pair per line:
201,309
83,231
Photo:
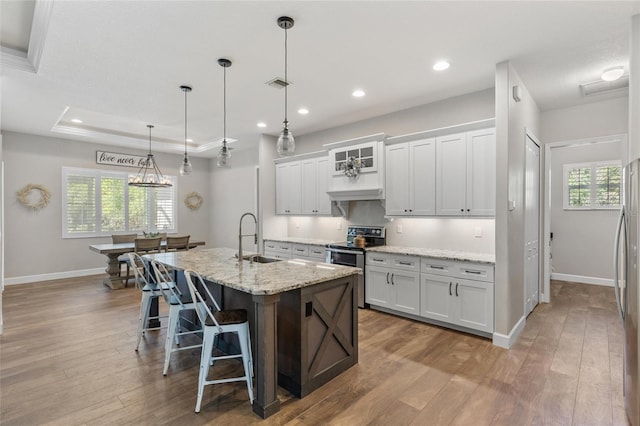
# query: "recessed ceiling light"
441,65
76,120
358,93
189,140
613,73
303,111
261,124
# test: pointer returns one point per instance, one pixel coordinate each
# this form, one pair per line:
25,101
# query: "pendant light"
286,144
185,167
225,154
149,174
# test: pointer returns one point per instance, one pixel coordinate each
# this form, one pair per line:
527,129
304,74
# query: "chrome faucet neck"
240,234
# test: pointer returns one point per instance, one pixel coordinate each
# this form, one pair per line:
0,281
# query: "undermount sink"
260,259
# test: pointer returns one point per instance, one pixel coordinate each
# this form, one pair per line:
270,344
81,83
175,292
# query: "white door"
378,286
481,172
422,183
308,204
436,297
532,225
451,174
397,179
406,289
322,184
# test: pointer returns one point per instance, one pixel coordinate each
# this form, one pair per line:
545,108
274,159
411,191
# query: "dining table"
113,280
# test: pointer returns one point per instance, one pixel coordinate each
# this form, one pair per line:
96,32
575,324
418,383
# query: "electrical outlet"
339,226
478,232
297,225
399,228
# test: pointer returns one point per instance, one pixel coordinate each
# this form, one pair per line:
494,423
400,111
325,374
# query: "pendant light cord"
185,122
224,107
286,81
150,127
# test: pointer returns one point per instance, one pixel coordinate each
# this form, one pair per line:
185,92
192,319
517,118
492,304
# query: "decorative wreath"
24,195
352,167
193,200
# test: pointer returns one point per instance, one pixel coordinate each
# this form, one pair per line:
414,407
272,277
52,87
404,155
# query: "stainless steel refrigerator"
626,278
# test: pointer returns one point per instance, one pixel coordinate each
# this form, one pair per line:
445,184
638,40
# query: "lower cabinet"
396,286
284,250
459,294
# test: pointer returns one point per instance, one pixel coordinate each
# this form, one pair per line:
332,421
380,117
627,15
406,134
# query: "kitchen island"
302,317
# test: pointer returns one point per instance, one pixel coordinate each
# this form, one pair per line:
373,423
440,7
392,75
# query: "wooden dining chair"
147,245
123,259
178,243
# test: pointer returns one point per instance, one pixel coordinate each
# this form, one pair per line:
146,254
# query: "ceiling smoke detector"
601,86
278,83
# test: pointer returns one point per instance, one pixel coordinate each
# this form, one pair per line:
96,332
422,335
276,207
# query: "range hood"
356,169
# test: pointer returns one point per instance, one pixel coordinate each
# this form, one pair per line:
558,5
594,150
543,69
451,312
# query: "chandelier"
149,175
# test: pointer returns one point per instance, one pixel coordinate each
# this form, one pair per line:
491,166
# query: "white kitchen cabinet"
410,178
465,174
286,250
288,188
393,282
315,179
449,295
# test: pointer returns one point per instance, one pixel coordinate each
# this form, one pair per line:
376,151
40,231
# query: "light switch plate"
477,232
399,228
339,226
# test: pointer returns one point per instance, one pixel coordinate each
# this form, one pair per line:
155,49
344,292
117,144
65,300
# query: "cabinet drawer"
317,252
299,250
437,266
275,255
277,246
379,259
406,263
474,271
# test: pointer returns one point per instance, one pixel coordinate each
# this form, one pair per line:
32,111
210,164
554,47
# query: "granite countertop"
220,265
438,254
296,240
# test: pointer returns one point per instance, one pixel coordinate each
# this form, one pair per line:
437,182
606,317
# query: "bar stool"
178,302
149,290
214,324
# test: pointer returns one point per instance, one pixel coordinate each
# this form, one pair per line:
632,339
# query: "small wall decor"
193,200
352,167
25,193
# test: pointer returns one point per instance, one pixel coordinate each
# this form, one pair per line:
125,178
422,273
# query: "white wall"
439,233
35,237
582,239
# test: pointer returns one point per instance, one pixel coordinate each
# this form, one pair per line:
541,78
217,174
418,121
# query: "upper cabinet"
301,185
411,178
465,174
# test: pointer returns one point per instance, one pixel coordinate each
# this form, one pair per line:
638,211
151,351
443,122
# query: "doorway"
531,224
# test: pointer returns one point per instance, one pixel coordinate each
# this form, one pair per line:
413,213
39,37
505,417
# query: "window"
364,153
592,185
100,203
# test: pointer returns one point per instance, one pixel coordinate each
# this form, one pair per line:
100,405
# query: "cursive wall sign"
117,159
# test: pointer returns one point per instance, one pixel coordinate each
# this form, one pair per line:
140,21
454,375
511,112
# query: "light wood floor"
67,358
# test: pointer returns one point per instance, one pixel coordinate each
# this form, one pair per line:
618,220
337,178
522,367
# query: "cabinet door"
451,175
474,300
406,290
282,190
295,188
377,286
481,173
422,180
397,179
308,194
323,202
436,297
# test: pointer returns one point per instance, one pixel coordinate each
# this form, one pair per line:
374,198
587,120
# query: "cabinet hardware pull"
461,210
466,271
387,278
436,267
377,260
392,283
405,263
457,289
450,289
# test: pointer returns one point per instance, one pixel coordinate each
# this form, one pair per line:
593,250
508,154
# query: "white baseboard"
53,276
584,280
505,341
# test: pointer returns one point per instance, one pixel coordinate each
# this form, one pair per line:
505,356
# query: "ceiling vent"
601,86
278,83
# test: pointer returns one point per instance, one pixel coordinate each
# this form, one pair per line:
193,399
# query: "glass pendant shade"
185,167
149,175
224,156
286,143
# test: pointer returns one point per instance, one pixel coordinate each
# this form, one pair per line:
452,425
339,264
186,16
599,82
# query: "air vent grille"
278,83
601,86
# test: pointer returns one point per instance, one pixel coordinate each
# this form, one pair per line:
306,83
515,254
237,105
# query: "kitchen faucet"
240,235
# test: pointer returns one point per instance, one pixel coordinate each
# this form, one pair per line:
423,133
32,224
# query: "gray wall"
35,237
512,119
582,240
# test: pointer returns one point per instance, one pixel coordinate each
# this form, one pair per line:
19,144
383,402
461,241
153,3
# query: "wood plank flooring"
67,358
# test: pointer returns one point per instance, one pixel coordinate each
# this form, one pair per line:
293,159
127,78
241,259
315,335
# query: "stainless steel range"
352,251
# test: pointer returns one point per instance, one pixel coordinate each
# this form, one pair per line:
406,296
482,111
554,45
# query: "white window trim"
593,166
98,173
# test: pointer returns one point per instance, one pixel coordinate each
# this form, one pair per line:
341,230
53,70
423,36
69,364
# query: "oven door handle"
332,250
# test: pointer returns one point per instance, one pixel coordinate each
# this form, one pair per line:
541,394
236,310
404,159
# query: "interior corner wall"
634,89
273,226
512,120
233,191
38,234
